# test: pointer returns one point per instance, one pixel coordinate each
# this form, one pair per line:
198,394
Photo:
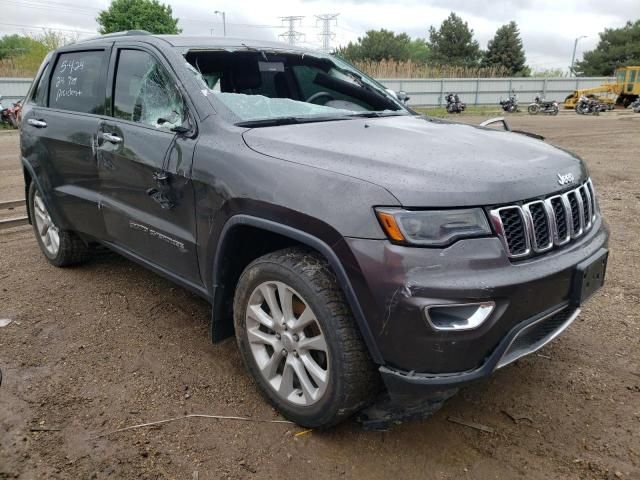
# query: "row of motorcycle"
10,115
586,105
510,105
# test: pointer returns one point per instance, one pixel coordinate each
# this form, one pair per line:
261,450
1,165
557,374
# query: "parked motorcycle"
511,104
454,105
17,112
635,106
539,105
7,115
589,106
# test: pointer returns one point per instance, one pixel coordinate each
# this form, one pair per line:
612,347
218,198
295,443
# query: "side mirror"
402,96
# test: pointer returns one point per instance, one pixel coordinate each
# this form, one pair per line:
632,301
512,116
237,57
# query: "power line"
40,27
41,6
327,35
291,35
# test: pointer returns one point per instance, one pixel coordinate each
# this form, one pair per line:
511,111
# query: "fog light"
459,316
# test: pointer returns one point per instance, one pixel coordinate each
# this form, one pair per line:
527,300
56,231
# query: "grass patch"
487,110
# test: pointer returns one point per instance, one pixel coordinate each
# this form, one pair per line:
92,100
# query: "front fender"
337,255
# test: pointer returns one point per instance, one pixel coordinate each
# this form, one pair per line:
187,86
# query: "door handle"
110,137
37,123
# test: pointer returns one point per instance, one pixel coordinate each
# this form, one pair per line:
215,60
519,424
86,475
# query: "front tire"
533,109
61,248
299,341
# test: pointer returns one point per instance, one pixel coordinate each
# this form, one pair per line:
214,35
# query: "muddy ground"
106,345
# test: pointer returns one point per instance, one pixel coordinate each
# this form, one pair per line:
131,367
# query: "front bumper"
523,339
395,283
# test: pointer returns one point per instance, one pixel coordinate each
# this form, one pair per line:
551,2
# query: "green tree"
149,15
378,45
505,49
419,51
617,47
21,55
16,45
453,43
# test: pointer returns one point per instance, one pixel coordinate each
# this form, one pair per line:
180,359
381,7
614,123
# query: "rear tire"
314,386
61,248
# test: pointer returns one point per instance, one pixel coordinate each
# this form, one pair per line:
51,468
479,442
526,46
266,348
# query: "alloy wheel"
287,343
47,230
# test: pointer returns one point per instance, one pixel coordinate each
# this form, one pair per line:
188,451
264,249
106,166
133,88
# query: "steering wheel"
318,95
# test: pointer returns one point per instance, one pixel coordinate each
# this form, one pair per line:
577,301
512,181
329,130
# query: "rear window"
78,82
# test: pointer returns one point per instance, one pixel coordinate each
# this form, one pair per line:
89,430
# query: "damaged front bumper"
532,302
523,339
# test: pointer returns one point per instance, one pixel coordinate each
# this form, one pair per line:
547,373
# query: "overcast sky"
548,27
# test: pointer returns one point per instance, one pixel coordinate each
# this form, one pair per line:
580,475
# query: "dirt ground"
106,345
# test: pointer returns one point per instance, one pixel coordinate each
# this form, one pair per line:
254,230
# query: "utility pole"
327,35
224,22
573,57
291,35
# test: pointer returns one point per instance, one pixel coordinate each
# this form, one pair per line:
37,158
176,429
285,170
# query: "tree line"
452,44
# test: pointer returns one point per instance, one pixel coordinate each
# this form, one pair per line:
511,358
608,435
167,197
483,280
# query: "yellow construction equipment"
624,91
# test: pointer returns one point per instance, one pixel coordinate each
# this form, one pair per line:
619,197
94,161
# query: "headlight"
434,228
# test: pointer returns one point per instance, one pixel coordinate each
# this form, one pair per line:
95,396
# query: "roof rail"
124,33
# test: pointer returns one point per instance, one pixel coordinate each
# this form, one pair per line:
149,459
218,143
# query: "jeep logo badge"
566,179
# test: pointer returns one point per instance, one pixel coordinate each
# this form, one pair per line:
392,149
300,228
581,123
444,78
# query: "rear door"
145,166
58,134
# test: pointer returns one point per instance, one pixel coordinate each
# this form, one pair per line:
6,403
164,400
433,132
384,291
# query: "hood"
425,162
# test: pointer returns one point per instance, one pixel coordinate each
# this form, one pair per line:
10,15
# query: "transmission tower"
327,35
291,35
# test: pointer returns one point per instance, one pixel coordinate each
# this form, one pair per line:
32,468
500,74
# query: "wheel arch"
27,173
31,175
230,260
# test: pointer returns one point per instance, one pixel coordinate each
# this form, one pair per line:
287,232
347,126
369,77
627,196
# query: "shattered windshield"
261,85
258,107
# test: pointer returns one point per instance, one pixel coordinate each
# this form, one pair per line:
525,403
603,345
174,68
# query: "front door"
145,166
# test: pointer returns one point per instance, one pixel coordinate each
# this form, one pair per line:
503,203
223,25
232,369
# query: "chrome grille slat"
561,216
586,206
511,224
540,225
576,213
592,197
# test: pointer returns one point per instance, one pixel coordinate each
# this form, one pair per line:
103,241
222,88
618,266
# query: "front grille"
538,226
538,334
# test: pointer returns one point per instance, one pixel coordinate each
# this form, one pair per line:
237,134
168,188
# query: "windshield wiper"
274,122
377,114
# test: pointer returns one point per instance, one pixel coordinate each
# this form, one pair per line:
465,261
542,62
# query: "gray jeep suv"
367,258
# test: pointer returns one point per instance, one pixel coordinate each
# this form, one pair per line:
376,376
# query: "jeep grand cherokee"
364,256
